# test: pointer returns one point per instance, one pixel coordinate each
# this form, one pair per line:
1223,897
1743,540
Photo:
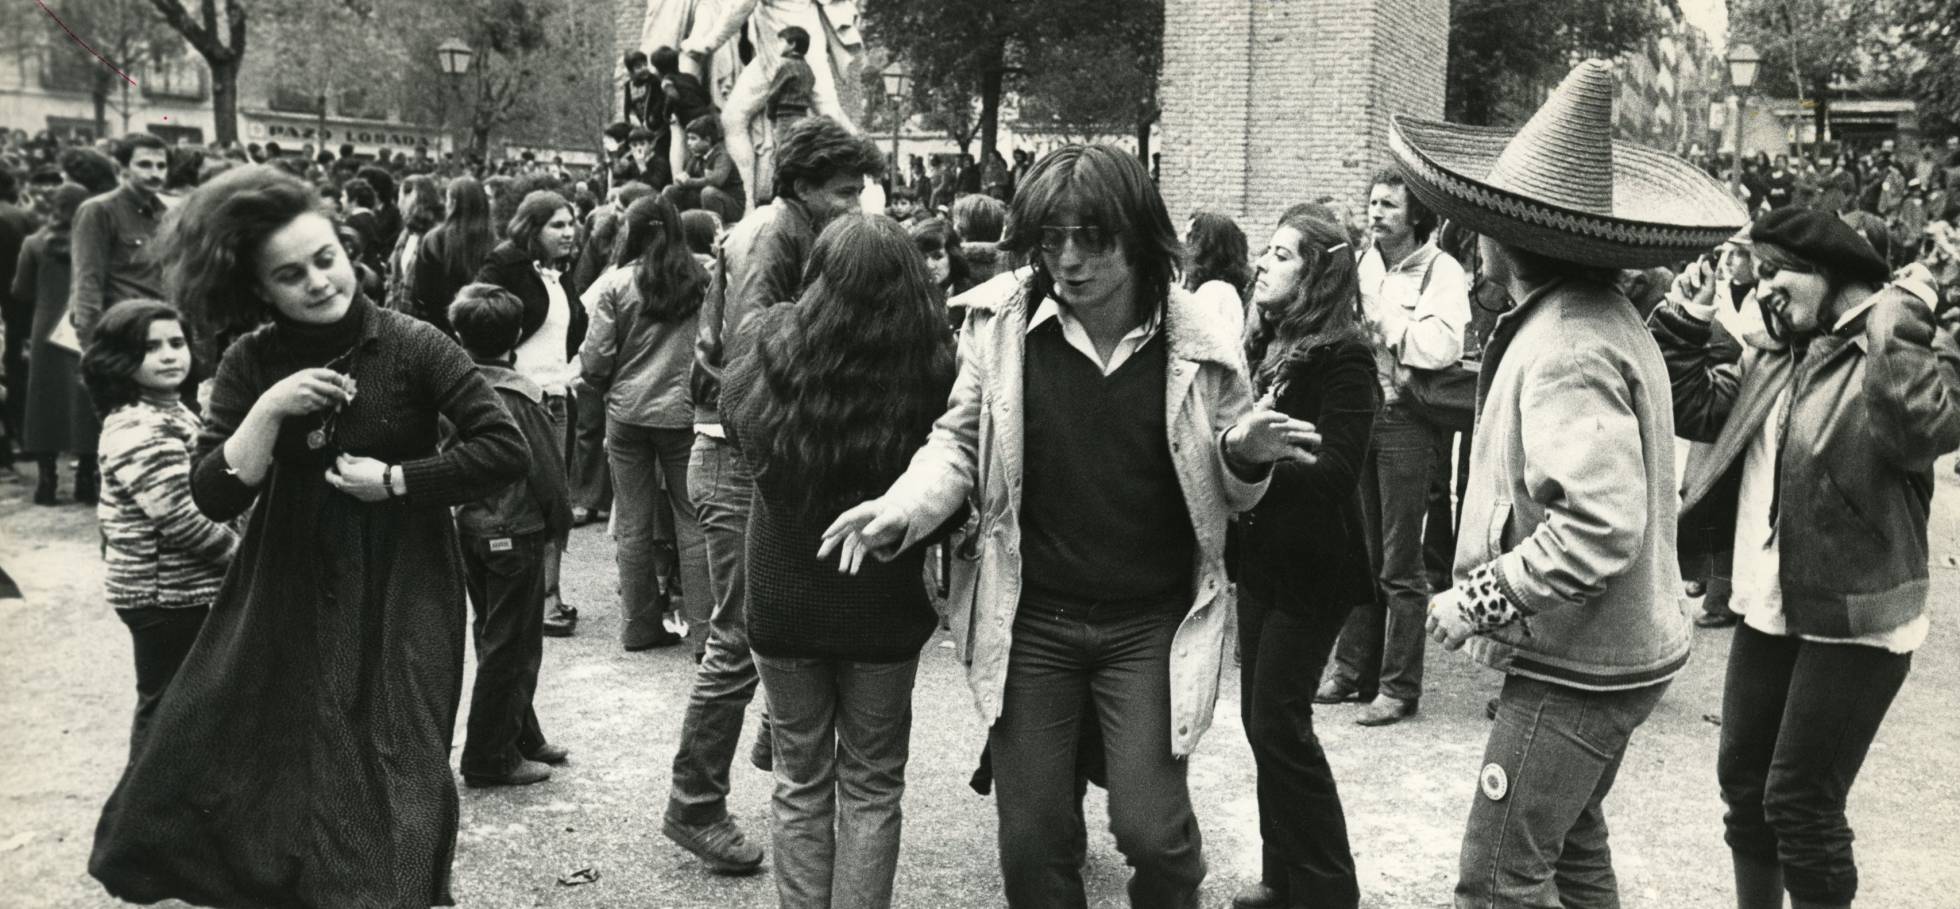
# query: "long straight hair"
671,282
465,237
1101,186
1325,306
852,390
425,208
532,215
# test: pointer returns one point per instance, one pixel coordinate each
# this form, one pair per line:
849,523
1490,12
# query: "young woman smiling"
302,757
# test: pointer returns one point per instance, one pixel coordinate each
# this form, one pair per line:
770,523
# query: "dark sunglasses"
1088,238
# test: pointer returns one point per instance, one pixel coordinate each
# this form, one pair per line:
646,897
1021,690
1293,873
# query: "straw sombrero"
1561,187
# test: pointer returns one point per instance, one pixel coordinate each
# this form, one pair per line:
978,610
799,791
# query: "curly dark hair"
119,347
1101,186
979,218
852,390
816,149
937,235
1216,251
670,281
208,242
1325,305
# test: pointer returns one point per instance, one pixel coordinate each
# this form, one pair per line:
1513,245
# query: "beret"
1822,239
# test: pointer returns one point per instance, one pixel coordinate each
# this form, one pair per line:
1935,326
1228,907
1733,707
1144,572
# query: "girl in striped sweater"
166,559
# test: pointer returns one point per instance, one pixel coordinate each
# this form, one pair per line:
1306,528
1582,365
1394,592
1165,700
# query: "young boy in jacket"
505,539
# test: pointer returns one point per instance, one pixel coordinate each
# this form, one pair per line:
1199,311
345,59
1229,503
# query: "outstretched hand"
872,527
1265,435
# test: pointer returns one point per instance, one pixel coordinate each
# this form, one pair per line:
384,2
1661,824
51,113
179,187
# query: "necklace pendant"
317,439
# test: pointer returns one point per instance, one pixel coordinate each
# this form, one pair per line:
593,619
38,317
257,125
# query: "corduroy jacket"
1871,406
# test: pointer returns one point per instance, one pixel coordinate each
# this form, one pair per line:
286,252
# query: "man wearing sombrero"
1565,576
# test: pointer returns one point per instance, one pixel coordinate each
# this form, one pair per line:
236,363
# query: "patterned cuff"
1483,602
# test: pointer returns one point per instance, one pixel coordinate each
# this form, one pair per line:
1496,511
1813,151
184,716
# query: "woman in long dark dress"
59,417
301,755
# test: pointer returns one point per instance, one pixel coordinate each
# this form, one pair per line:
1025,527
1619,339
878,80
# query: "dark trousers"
1537,832
591,475
721,485
1797,720
162,637
1067,658
1443,509
1302,826
1381,645
505,577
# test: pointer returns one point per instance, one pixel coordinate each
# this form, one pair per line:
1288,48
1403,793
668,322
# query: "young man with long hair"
1103,423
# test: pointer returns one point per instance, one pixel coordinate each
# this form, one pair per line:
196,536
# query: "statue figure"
834,44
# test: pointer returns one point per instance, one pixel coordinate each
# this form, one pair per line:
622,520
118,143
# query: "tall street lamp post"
453,56
1743,60
896,78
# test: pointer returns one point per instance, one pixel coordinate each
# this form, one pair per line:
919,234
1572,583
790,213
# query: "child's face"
697,145
900,208
166,357
642,149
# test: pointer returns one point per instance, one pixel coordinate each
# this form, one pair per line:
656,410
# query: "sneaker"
720,844
560,621
524,774
1386,711
1258,896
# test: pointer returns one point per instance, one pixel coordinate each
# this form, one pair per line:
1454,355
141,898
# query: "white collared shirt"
541,357
1078,336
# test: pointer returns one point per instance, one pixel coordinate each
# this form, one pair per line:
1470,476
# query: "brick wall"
1267,103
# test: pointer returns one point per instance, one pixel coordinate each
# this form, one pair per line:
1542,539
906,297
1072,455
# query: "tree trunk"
1146,118
1820,114
224,101
993,70
99,95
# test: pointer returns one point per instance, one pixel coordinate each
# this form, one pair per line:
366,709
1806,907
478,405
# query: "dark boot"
1758,883
1809,904
44,488
87,487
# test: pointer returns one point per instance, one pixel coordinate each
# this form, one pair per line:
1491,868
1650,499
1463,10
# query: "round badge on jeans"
1495,784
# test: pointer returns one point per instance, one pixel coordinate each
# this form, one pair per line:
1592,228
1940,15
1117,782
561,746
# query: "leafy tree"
1809,45
117,33
1099,80
1927,53
1504,53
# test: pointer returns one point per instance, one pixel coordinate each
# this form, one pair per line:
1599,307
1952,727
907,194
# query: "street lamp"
453,57
1743,61
896,78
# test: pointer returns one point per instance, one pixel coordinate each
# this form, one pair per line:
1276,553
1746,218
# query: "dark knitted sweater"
1102,513
799,605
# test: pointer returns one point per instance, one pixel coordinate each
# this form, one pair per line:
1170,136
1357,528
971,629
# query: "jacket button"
1183,730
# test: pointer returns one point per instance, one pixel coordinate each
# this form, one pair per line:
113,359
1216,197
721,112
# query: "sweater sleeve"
25,269
91,249
154,466
489,451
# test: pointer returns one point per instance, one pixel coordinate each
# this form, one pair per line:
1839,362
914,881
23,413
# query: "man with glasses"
1104,426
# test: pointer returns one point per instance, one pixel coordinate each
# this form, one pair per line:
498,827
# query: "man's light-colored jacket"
976,451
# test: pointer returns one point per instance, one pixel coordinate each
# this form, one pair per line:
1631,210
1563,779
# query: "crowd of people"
321,405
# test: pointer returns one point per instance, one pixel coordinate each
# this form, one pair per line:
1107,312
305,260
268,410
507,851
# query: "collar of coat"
504,378
1190,333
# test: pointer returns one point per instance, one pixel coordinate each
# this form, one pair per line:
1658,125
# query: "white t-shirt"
541,357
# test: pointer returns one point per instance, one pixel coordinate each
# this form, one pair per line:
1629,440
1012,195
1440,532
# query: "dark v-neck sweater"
1102,514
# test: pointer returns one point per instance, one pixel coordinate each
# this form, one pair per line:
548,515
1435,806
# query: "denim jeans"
647,462
506,588
720,483
842,734
1537,832
1302,827
1067,658
591,476
1798,718
1381,645
161,637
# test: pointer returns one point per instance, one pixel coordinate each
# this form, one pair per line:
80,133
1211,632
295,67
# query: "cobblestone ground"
66,689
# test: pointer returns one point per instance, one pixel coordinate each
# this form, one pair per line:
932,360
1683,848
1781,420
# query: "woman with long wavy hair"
301,755
638,353
837,393
1217,268
1302,557
452,251
421,205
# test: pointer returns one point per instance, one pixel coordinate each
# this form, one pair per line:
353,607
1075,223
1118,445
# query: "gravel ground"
66,689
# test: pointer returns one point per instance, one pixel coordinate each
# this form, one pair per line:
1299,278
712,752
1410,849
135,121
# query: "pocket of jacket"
1500,527
1846,509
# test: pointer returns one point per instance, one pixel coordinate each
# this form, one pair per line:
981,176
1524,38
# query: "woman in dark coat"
301,755
58,414
452,251
534,263
1301,555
